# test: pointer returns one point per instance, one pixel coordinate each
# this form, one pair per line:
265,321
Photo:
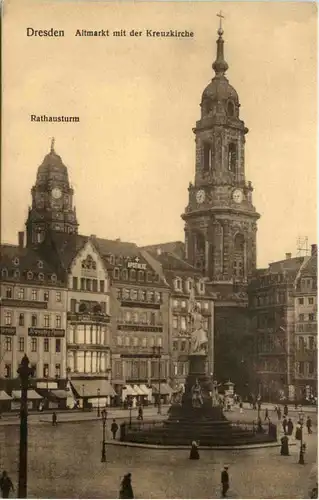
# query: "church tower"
220,219
52,201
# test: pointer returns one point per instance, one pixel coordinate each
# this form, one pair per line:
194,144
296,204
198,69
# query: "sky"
132,154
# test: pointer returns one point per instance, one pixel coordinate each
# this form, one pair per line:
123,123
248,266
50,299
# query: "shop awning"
61,394
128,391
4,396
31,394
146,390
165,389
89,388
138,390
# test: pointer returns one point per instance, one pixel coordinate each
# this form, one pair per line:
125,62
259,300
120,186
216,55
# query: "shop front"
93,393
5,402
162,392
33,398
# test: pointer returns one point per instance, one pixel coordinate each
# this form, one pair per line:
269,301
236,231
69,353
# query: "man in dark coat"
126,490
225,481
285,410
114,428
5,485
284,425
290,427
140,413
309,425
194,454
266,414
54,419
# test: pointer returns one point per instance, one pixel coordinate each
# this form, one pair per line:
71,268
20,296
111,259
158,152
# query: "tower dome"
219,89
52,169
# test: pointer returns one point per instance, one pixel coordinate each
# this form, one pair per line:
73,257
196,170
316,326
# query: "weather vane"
52,144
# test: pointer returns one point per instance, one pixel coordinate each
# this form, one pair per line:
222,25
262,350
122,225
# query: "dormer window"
53,278
132,275
16,261
116,273
189,285
149,277
111,259
30,275
41,276
16,273
178,284
40,264
201,287
4,273
125,274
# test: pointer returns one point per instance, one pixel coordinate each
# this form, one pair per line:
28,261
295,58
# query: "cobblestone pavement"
64,462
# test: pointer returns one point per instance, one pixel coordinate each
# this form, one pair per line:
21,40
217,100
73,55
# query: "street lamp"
25,372
301,451
98,402
82,397
103,456
157,354
130,410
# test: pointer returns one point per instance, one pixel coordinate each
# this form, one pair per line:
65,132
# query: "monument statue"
199,338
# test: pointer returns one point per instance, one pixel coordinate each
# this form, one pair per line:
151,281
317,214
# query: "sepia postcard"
158,264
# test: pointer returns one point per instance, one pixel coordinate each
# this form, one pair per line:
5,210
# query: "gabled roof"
64,246
287,265
310,267
175,247
172,262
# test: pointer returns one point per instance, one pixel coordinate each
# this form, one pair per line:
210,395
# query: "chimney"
159,251
314,249
93,236
118,240
21,239
288,256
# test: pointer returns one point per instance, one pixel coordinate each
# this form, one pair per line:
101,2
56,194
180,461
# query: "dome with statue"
52,168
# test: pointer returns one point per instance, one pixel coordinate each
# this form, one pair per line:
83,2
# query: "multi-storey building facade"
33,314
188,289
305,328
282,326
139,318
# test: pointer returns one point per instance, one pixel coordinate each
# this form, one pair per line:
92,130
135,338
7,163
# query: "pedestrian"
241,407
284,425
285,410
5,485
266,414
140,413
126,490
54,419
290,427
225,481
114,428
279,413
309,425
194,454
284,446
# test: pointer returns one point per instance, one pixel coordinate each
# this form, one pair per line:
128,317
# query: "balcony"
88,317
87,347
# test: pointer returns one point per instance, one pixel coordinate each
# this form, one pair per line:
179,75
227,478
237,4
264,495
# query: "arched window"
230,108
124,274
207,156
16,261
239,256
41,276
16,273
4,273
141,276
40,264
116,273
232,157
53,278
29,275
132,275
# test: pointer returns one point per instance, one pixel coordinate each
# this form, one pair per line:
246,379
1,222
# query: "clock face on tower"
238,196
200,196
56,193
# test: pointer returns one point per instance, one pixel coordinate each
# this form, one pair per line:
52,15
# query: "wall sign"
46,332
7,330
136,264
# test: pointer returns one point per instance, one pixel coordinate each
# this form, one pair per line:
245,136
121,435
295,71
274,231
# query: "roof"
116,247
19,260
176,247
92,388
287,265
310,267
